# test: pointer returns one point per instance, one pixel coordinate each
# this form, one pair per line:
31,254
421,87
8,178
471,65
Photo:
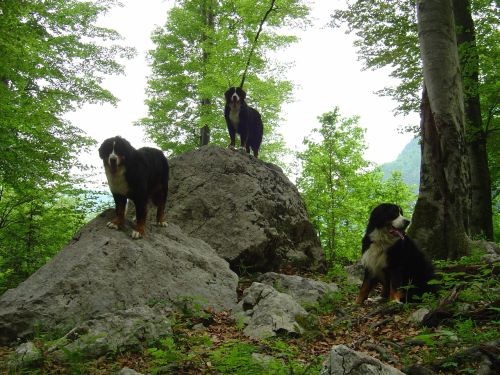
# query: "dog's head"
114,152
388,218
235,97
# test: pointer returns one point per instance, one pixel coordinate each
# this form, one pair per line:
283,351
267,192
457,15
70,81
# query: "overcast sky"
326,72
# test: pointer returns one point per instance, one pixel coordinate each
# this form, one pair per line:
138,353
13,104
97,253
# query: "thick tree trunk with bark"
481,218
440,220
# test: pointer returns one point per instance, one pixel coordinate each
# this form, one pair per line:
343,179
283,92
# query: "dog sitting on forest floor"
390,257
138,175
243,120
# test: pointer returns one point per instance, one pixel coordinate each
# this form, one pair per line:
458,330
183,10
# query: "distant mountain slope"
407,162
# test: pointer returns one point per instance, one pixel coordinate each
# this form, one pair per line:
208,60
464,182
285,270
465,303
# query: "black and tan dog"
138,175
390,257
243,120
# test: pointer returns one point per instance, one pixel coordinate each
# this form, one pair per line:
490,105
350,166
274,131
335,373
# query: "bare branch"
254,44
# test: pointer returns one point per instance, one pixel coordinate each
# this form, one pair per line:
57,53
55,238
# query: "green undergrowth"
204,342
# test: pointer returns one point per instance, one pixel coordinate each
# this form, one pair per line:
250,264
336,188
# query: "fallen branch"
357,343
443,311
384,353
381,323
386,309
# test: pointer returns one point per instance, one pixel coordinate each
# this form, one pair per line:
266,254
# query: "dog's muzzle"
113,163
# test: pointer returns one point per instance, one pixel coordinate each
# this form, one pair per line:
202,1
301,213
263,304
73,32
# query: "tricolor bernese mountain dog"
138,175
243,120
390,257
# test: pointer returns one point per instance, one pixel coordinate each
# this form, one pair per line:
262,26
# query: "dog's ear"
241,93
102,149
227,94
123,147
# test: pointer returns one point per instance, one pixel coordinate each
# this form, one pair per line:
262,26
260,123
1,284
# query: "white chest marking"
374,259
117,182
234,117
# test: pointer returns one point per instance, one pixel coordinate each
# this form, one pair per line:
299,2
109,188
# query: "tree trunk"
207,12
440,220
481,218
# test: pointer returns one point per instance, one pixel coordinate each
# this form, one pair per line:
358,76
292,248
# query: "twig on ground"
443,310
384,353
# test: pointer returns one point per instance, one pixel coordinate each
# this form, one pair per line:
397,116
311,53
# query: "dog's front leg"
120,208
244,137
160,211
141,211
232,134
368,284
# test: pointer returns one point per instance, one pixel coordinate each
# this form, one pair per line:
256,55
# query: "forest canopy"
55,56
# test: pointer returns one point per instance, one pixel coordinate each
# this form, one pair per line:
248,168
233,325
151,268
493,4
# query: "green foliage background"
53,59
340,187
200,52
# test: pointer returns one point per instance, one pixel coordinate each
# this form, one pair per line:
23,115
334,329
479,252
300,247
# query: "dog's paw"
135,235
396,301
231,147
161,224
111,225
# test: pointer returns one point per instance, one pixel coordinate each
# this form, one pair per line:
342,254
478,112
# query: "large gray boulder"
341,360
246,209
303,290
267,312
114,332
105,334
103,270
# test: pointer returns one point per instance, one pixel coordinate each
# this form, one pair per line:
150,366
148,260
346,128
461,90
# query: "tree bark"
440,220
481,218
207,13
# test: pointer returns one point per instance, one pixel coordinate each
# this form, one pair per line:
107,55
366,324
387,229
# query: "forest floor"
463,337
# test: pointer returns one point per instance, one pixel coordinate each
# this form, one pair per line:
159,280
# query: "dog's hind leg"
232,135
386,285
396,294
255,151
160,200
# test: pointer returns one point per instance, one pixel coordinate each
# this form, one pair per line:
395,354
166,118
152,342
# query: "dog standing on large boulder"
243,120
138,175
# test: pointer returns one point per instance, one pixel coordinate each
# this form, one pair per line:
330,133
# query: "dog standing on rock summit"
138,175
244,120
390,257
